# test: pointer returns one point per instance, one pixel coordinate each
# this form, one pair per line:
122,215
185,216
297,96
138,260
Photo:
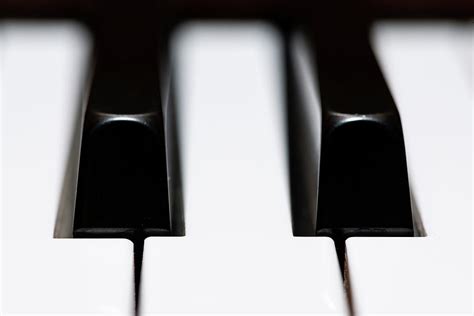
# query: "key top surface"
123,178
43,67
355,142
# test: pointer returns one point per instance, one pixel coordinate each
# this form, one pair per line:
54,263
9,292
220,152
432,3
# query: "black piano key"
347,155
122,182
129,183
126,178
363,164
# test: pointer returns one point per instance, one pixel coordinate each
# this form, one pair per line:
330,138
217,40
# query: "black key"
128,174
347,158
129,177
122,176
129,182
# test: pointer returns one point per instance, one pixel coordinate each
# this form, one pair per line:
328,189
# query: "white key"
43,66
426,71
238,254
68,276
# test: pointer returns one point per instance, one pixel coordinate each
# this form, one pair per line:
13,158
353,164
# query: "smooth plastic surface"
346,142
43,66
123,179
429,70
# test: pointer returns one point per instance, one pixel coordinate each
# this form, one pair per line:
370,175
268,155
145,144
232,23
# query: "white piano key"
43,67
240,275
396,275
232,103
238,254
68,276
431,87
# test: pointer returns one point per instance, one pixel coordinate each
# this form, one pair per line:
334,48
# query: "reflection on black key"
348,166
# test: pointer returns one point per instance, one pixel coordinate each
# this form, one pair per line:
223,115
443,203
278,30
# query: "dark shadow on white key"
65,213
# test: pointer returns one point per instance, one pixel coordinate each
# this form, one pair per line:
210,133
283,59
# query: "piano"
236,157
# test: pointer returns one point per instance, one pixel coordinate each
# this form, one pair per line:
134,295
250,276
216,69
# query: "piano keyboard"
238,253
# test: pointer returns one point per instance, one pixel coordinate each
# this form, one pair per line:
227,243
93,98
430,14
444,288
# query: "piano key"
50,64
429,82
241,275
123,175
238,254
347,150
43,69
68,276
123,182
363,164
127,184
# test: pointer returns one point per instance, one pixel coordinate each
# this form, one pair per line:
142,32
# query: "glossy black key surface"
363,187
129,183
122,177
127,175
347,161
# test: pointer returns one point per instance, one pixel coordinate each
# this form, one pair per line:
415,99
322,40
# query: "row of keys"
358,172
238,253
